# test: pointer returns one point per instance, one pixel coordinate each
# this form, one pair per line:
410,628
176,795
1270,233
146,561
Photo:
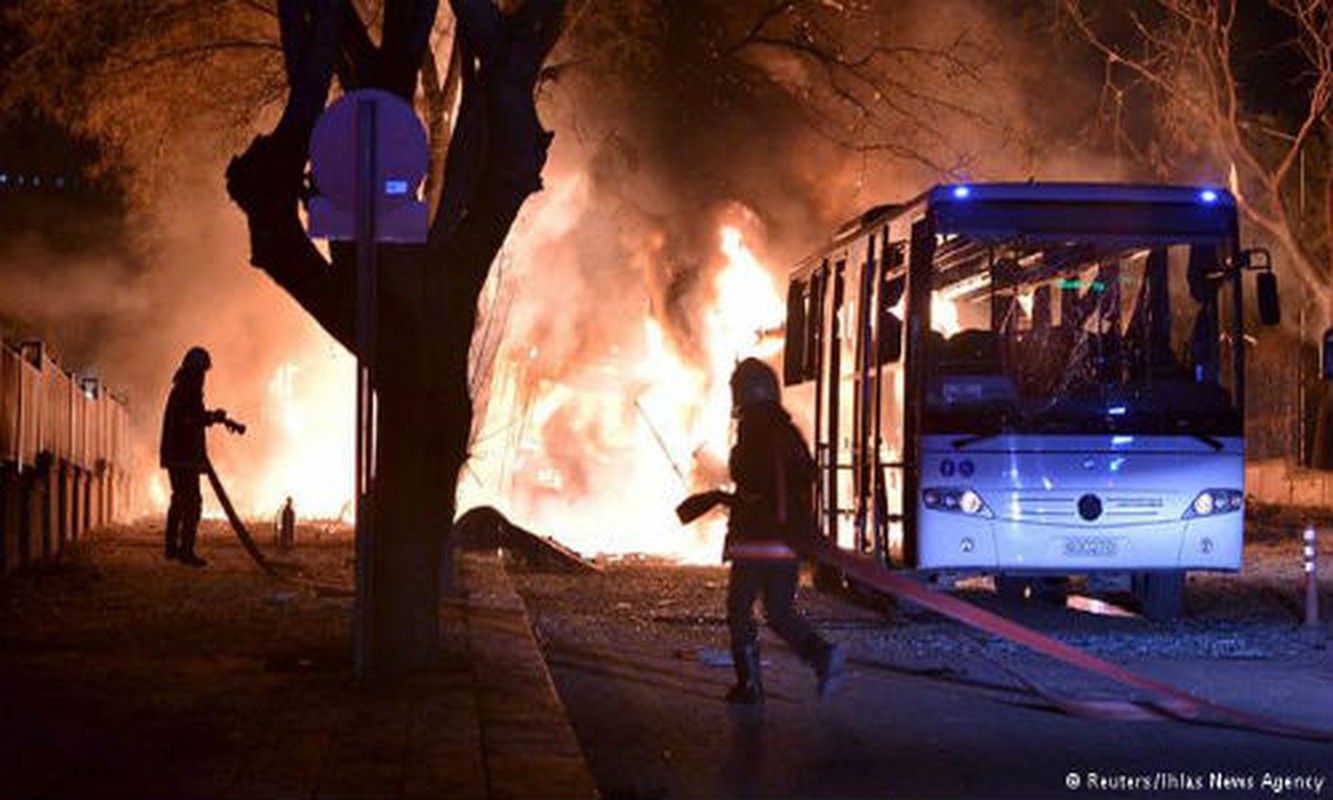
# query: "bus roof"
1053,209
1079,193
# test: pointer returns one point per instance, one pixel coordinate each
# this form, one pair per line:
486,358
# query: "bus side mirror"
1270,312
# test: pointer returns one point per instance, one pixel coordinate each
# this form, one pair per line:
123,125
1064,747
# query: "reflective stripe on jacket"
757,550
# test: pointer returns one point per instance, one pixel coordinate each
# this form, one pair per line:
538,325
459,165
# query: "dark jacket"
769,451
183,424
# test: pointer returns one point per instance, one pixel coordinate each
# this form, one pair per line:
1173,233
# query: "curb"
528,744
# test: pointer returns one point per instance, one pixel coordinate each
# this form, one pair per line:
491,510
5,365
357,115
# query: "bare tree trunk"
428,294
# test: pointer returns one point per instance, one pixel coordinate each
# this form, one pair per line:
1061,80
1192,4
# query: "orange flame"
644,437
313,429
597,455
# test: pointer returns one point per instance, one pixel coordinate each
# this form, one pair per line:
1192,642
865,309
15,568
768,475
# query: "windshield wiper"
1216,444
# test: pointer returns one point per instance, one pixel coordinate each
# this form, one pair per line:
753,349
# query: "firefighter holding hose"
771,509
184,455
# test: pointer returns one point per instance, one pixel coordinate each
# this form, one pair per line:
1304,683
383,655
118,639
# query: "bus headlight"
1211,502
950,498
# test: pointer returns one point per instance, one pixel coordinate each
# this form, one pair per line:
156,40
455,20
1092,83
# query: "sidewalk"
122,675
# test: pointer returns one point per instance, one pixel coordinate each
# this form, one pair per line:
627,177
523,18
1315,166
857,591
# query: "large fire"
599,457
595,454
313,461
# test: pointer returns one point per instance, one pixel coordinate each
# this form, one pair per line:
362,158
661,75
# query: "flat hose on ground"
1171,701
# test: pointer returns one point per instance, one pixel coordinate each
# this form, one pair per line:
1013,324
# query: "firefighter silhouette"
183,453
774,476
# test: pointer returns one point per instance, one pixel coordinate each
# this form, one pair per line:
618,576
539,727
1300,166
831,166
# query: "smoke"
176,278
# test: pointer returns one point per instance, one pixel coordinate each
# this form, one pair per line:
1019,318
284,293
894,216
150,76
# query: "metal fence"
64,455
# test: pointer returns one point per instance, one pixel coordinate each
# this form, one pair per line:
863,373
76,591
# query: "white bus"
1031,381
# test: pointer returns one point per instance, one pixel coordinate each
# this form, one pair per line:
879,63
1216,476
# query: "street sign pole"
368,156
366,180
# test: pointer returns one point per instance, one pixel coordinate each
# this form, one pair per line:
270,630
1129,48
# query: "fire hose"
248,542
1171,701
242,533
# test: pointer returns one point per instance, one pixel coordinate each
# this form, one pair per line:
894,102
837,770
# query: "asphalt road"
930,709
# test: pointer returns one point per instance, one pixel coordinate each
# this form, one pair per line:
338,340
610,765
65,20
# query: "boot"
186,553
830,661
172,532
749,690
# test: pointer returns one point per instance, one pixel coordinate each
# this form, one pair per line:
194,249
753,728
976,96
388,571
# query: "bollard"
1311,559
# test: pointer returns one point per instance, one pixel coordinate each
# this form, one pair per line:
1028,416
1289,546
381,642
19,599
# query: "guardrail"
64,455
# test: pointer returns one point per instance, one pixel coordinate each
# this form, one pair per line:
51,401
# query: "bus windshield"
1122,337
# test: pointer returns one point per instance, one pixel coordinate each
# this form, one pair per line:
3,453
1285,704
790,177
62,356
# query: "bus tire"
1011,588
1161,595
1051,589
828,580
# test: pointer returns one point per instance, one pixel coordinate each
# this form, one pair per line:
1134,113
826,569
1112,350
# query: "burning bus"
1032,381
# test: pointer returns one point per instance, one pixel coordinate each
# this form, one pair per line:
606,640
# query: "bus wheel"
828,580
1161,595
1011,588
1052,589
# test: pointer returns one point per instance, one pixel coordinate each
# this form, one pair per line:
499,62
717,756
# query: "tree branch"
441,102
407,29
358,58
497,129
266,180
1197,42
311,68
188,52
294,33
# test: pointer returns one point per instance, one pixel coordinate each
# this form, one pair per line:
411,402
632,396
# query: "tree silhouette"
1181,64
428,293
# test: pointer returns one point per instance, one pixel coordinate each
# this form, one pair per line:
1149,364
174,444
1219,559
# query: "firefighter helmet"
753,382
196,360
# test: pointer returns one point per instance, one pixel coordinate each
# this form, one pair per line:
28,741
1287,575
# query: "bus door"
833,440
822,303
886,418
920,283
876,454
816,348
864,406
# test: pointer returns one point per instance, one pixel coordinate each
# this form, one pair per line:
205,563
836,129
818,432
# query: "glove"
696,505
